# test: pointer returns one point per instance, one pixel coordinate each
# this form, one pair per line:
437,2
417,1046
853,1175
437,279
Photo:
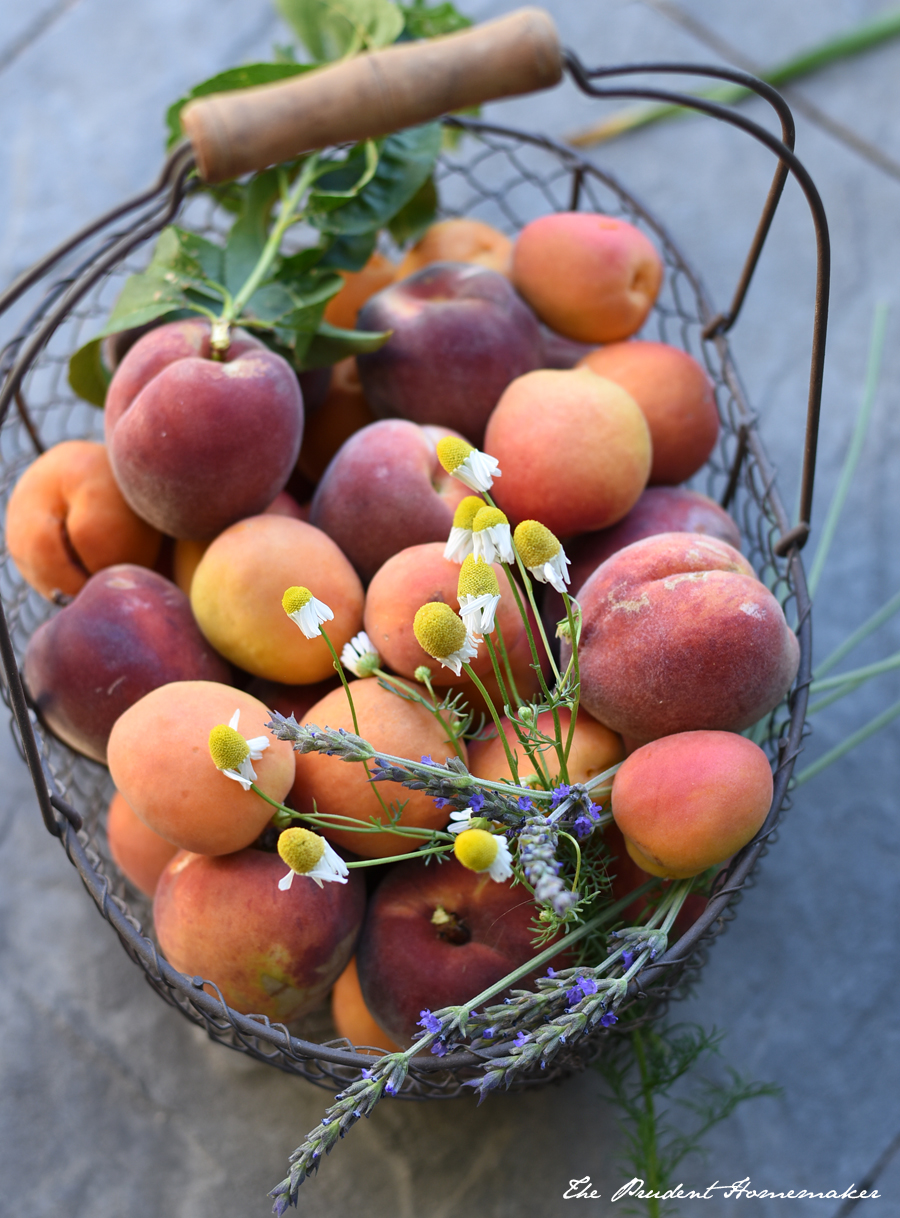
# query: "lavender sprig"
538,840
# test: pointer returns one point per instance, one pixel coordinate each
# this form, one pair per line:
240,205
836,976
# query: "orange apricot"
342,309
594,749
352,1018
138,852
459,240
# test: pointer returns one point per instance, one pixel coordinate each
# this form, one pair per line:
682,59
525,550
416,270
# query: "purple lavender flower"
524,803
439,802
627,959
559,794
522,1039
608,1018
476,803
439,1048
430,1022
427,759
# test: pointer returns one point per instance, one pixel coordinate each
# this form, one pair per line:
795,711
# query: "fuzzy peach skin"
574,450
342,309
459,240
594,749
415,577
138,852
159,760
393,724
679,635
691,800
352,1018
590,277
67,519
270,952
197,443
237,589
676,397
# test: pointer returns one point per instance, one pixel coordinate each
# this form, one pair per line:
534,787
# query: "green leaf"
88,375
411,220
406,161
350,252
247,77
422,21
332,29
335,187
187,255
250,231
143,298
330,344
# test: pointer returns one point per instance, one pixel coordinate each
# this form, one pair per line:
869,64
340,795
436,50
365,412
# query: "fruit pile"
421,511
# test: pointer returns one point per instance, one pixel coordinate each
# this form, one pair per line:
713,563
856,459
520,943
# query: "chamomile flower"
481,851
459,543
542,554
491,538
479,595
443,634
360,655
471,466
232,753
306,853
302,607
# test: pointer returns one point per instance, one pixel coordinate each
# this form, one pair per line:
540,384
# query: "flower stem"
432,707
510,756
511,681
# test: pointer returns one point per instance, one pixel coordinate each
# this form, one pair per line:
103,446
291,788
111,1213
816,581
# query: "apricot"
138,852
459,240
67,519
691,800
676,397
344,412
352,1018
269,952
594,749
342,309
573,447
393,724
679,635
159,760
590,277
237,589
417,576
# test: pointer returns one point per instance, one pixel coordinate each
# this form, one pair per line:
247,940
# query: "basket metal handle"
371,95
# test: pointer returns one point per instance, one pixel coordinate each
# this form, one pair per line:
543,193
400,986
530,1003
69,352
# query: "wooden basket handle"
372,94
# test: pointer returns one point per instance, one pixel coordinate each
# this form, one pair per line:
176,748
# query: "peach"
691,800
128,631
679,635
138,852
459,240
269,952
590,277
342,310
67,519
352,1018
197,443
344,412
159,760
386,490
393,724
237,589
417,576
574,450
594,749
677,399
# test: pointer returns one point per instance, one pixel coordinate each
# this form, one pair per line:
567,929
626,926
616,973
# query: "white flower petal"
235,720
494,544
478,612
459,544
311,616
478,471
286,880
358,649
258,746
501,868
240,777
456,659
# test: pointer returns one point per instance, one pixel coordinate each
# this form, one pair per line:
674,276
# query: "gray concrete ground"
110,1103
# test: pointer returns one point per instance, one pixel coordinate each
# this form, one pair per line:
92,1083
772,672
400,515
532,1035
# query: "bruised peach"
352,1018
342,309
590,277
679,635
237,589
138,852
67,519
269,952
676,397
691,800
160,762
594,749
574,450
392,724
459,240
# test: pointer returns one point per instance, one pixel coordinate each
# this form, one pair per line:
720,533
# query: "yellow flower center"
467,511
477,578
301,849
227,747
535,543
487,517
476,849
439,630
452,451
295,598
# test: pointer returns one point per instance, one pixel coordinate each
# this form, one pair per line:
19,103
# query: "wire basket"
506,178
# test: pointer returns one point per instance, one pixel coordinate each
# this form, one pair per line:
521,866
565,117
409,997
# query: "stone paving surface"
110,1103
